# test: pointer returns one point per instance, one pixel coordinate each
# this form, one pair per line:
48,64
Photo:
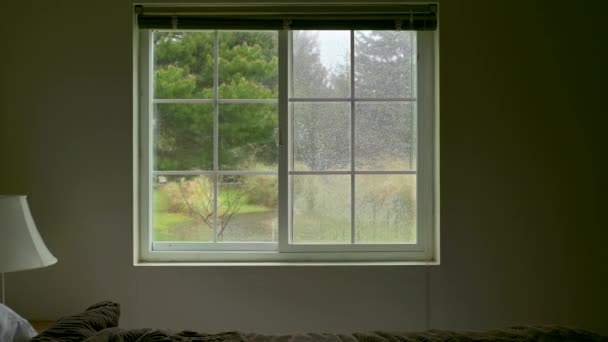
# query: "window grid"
413,93
352,138
275,101
216,47
350,99
219,101
353,100
381,253
215,173
219,172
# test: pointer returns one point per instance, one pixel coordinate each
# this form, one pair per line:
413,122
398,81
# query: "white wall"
523,230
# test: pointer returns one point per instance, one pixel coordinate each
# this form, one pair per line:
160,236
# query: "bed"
99,323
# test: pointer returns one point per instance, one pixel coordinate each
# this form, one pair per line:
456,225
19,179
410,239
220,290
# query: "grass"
252,208
164,220
175,226
319,220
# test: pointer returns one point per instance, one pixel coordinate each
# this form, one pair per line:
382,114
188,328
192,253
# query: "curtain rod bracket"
398,24
286,24
411,20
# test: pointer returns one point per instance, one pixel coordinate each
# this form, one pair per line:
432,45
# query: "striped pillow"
80,326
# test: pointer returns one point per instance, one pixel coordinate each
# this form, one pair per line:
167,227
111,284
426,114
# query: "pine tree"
385,68
321,129
184,69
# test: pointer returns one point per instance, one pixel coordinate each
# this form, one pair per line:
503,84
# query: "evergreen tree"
184,69
385,68
321,129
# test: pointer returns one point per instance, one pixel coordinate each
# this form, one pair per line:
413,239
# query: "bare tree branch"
229,207
232,204
205,218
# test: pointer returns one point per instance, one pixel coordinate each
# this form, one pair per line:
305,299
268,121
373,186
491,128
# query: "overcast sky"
334,47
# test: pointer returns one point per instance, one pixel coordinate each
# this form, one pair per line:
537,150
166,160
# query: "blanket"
519,334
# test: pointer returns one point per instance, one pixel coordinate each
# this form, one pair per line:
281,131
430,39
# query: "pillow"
80,326
14,328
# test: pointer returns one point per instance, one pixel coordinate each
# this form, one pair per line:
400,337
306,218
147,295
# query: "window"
286,140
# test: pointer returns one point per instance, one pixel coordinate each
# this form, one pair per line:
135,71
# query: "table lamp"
21,247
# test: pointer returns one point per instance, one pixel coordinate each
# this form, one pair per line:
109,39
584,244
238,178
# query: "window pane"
248,208
248,65
384,66
321,136
183,65
183,208
321,209
321,64
384,136
385,208
183,136
248,136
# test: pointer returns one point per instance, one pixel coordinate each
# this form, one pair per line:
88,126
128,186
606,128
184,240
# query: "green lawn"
254,222
171,226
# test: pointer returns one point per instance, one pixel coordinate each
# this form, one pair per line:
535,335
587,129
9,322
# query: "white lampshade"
21,247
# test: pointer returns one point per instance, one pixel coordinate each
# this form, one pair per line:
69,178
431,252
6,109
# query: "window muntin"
353,166
337,169
211,174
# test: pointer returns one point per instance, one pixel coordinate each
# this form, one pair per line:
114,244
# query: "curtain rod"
265,9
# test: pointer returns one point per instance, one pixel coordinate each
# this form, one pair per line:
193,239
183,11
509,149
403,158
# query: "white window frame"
424,251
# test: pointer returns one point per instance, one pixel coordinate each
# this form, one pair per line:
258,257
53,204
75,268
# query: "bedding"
515,334
99,323
14,328
79,327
